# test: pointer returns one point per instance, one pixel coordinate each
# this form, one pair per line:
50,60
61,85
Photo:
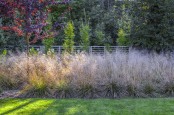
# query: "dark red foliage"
29,16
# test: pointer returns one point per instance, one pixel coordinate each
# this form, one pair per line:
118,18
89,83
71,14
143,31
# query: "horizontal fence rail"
98,50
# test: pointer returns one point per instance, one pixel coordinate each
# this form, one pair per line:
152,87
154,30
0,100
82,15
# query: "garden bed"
118,75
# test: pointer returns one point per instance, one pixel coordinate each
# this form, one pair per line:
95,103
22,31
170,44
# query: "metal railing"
101,50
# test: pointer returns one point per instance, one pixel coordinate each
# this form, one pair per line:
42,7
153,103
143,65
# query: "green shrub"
100,36
51,53
3,55
48,43
85,35
69,37
122,40
107,45
32,51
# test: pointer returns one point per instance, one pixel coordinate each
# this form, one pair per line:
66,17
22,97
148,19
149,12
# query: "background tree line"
144,24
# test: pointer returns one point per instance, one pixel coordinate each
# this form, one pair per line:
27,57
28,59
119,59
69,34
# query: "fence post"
42,49
129,49
104,50
90,49
59,50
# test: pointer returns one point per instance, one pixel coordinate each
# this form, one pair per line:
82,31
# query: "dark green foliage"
107,45
102,16
147,24
152,25
3,39
8,38
99,35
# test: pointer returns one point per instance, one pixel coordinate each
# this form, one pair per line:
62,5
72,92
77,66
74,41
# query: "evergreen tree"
85,35
3,39
99,35
152,25
69,37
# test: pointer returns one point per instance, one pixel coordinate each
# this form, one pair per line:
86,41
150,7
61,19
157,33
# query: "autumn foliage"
28,16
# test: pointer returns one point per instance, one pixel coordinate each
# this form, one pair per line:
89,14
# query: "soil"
9,94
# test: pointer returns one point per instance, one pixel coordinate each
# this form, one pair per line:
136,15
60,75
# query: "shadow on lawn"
45,107
62,107
18,107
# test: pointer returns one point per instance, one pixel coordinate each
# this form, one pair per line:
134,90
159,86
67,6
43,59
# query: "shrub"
100,37
85,35
3,55
69,37
122,40
48,43
32,51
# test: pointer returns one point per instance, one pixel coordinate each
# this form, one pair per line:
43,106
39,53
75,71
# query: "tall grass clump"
116,75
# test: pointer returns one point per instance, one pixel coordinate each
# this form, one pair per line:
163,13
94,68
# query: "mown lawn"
162,106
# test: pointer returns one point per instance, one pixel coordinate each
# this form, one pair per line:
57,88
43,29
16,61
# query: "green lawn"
87,107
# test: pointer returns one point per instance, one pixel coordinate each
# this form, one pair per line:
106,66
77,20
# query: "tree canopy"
147,24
